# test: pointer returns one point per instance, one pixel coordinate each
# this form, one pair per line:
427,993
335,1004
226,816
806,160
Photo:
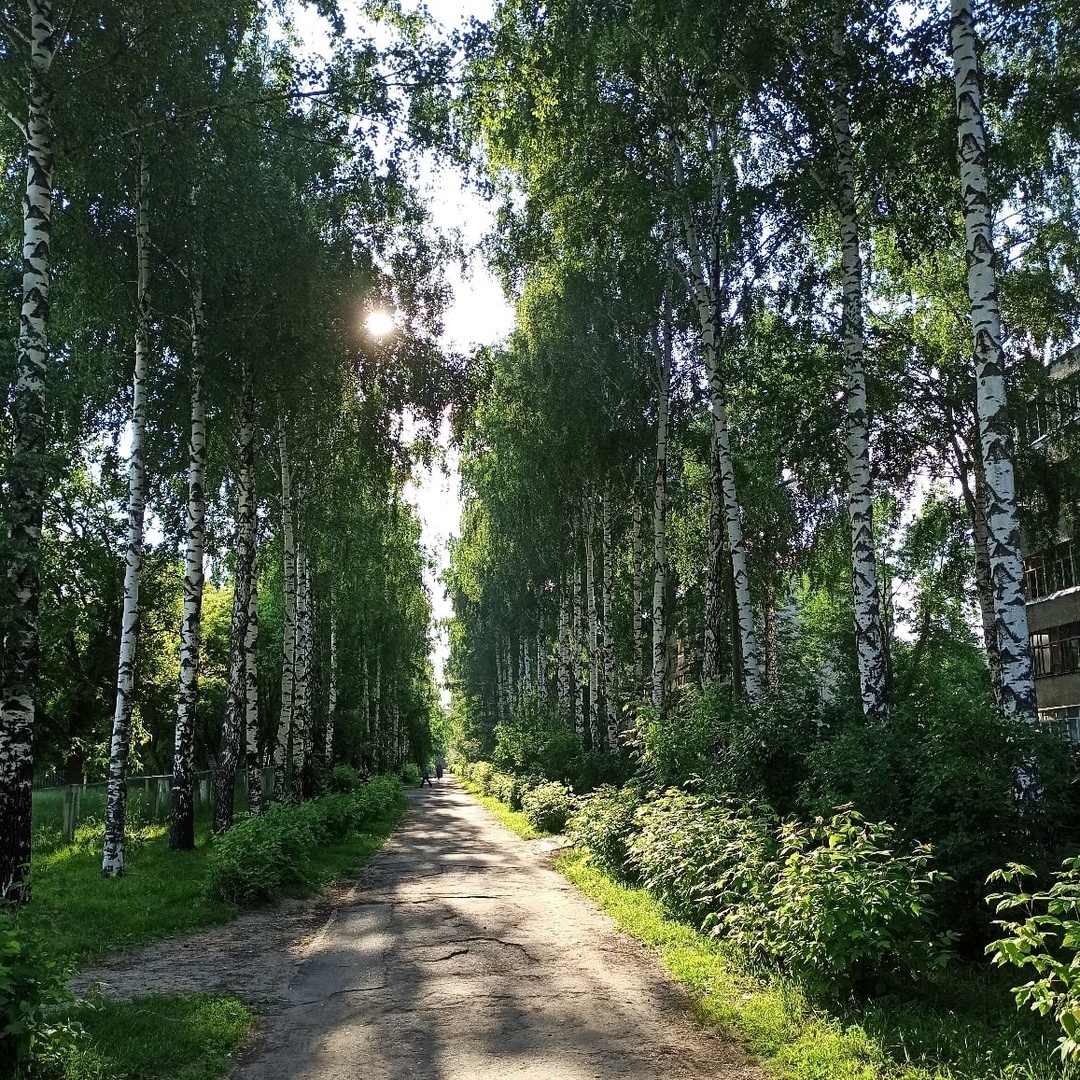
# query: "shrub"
537,740
603,823
481,775
344,778
846,910
410,774
502,787
548,806
33,987
376,797
1047,940
702,857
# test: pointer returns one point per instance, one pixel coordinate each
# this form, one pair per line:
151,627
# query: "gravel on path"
457,954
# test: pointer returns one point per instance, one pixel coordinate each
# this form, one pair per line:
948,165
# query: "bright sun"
379,323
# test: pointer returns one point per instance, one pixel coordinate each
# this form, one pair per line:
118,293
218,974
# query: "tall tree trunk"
638,586
1002,525
26,470
611,703
302,690
706,292
869,630
772,643
251,700
595,665
234,725
376,732
659,597
526,665
500,684
577,675
112,863
332,696
714,572
563,673
182,822
288,648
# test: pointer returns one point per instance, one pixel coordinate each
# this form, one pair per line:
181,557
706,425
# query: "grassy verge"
162,1037
964,1028
514,820
162,894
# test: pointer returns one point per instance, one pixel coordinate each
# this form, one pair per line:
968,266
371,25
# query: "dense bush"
1046,939
33,990
847,910
344,778
603,823
548,806
410,774
259,856
537,741
701,856
481,774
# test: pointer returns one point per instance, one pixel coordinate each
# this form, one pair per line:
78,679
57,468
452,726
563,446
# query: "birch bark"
869,630
301,719
663,406
638,586
595,668
112,863
332,696
1002,526
714,571
376,732
234,726
182,822
576,675
708,303
26,469
541,668
251,701
288,648
611,704
563,673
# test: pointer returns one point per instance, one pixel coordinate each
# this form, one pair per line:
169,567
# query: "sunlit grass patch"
966,1029
514,820
161,1037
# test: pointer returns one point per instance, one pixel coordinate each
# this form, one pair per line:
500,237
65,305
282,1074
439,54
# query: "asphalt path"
460,954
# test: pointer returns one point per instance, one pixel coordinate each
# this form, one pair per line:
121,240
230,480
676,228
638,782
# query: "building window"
1056,651
1053,570
1064,720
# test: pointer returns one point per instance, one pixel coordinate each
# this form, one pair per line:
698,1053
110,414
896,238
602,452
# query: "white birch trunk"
576,673
1002,526
112,863
563,673
541,669
376,732
26,471
365,700
708,316
638,591
714,571
251,700
595,666
288,657
869,630
611,704
332,696
663,405
182,823
526,678
302,687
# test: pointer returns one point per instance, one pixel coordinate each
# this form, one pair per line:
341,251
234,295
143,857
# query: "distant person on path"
439,766
425,776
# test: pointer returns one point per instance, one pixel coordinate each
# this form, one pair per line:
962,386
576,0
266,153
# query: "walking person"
425,775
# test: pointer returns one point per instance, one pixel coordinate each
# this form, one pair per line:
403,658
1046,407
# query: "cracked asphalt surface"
457,954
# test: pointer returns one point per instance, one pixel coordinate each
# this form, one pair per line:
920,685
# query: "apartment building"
1052,575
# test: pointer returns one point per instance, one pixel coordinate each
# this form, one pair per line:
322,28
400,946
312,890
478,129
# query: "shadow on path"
458,954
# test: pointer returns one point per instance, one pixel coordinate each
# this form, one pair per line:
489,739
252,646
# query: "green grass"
514,820
162,893
162,1037
965,1029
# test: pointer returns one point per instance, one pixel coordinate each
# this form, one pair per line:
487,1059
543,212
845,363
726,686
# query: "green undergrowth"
965,1030
514,820
161,1037
163,893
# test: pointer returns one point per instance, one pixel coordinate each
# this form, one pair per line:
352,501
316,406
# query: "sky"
478,315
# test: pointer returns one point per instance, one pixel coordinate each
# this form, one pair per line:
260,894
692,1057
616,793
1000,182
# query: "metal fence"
65,807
